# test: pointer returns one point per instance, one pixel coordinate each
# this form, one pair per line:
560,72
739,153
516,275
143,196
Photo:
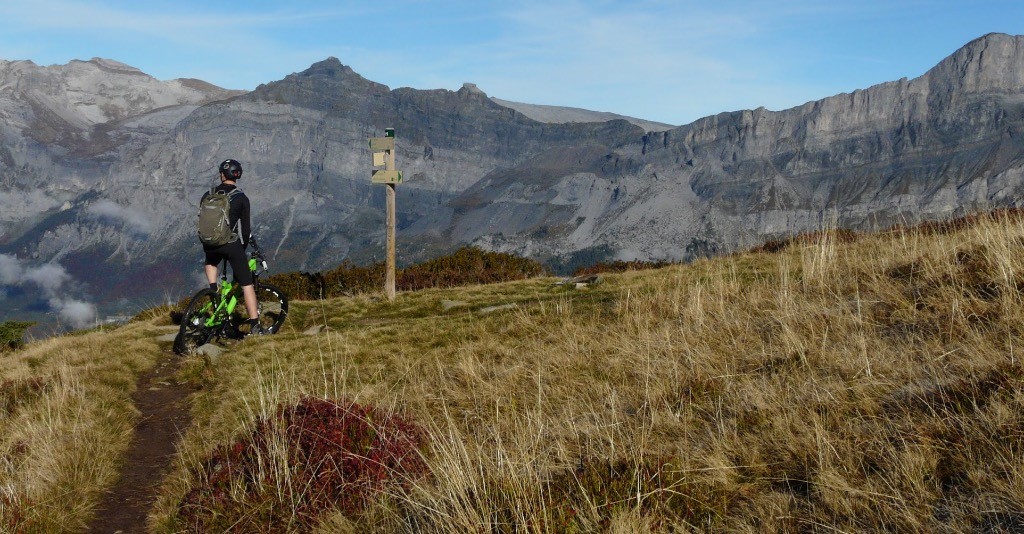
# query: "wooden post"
383,151
389,278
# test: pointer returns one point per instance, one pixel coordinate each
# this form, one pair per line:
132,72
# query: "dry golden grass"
862,386
61,438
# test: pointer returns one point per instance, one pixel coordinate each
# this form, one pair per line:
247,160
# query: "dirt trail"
165,414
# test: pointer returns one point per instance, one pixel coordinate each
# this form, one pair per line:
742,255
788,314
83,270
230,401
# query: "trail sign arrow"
386,177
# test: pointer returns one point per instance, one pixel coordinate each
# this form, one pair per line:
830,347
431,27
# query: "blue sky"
669,61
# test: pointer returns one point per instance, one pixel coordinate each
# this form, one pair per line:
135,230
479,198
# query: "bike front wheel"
194,332
273,306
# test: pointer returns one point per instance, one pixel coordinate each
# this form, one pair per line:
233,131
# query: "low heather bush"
466,266
840,235
311,458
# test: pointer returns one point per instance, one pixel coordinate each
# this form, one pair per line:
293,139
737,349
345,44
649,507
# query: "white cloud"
50,277
76,312
54,282
132,219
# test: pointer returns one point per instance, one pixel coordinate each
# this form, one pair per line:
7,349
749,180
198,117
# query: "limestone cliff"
948,142
101,167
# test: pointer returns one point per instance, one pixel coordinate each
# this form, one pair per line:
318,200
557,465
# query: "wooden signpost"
383,149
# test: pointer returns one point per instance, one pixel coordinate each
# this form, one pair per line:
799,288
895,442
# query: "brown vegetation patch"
620,267
906,272
840,235
313,457
468,265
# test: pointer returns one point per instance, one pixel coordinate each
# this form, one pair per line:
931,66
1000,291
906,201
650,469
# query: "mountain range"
101,167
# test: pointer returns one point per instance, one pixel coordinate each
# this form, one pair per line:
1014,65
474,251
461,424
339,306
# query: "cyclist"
234,251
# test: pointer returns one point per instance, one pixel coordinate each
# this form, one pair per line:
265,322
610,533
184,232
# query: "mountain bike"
212,314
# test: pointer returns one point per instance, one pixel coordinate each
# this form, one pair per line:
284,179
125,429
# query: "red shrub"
339,456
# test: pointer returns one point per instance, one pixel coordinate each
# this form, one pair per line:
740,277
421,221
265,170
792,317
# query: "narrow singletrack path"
165,415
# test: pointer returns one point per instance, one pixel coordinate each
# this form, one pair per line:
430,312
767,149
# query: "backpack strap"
238,224
229,194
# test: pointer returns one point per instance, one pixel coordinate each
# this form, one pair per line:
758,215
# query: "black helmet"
231,169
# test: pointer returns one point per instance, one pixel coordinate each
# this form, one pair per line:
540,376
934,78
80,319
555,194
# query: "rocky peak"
111,66
325,79
331,69
991,63
471,88
10,64
61,104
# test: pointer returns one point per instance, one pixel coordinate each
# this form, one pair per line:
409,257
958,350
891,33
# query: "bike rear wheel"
193,332
273,306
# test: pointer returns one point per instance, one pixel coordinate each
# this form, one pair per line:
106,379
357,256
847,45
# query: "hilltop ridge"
865,381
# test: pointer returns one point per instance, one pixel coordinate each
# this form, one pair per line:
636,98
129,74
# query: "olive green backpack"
214,220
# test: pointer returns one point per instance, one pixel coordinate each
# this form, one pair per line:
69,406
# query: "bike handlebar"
257,253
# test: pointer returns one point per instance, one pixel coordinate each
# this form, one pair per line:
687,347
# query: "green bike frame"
228,301
225,305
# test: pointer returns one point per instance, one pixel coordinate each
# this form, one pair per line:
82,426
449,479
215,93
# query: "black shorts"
234,252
